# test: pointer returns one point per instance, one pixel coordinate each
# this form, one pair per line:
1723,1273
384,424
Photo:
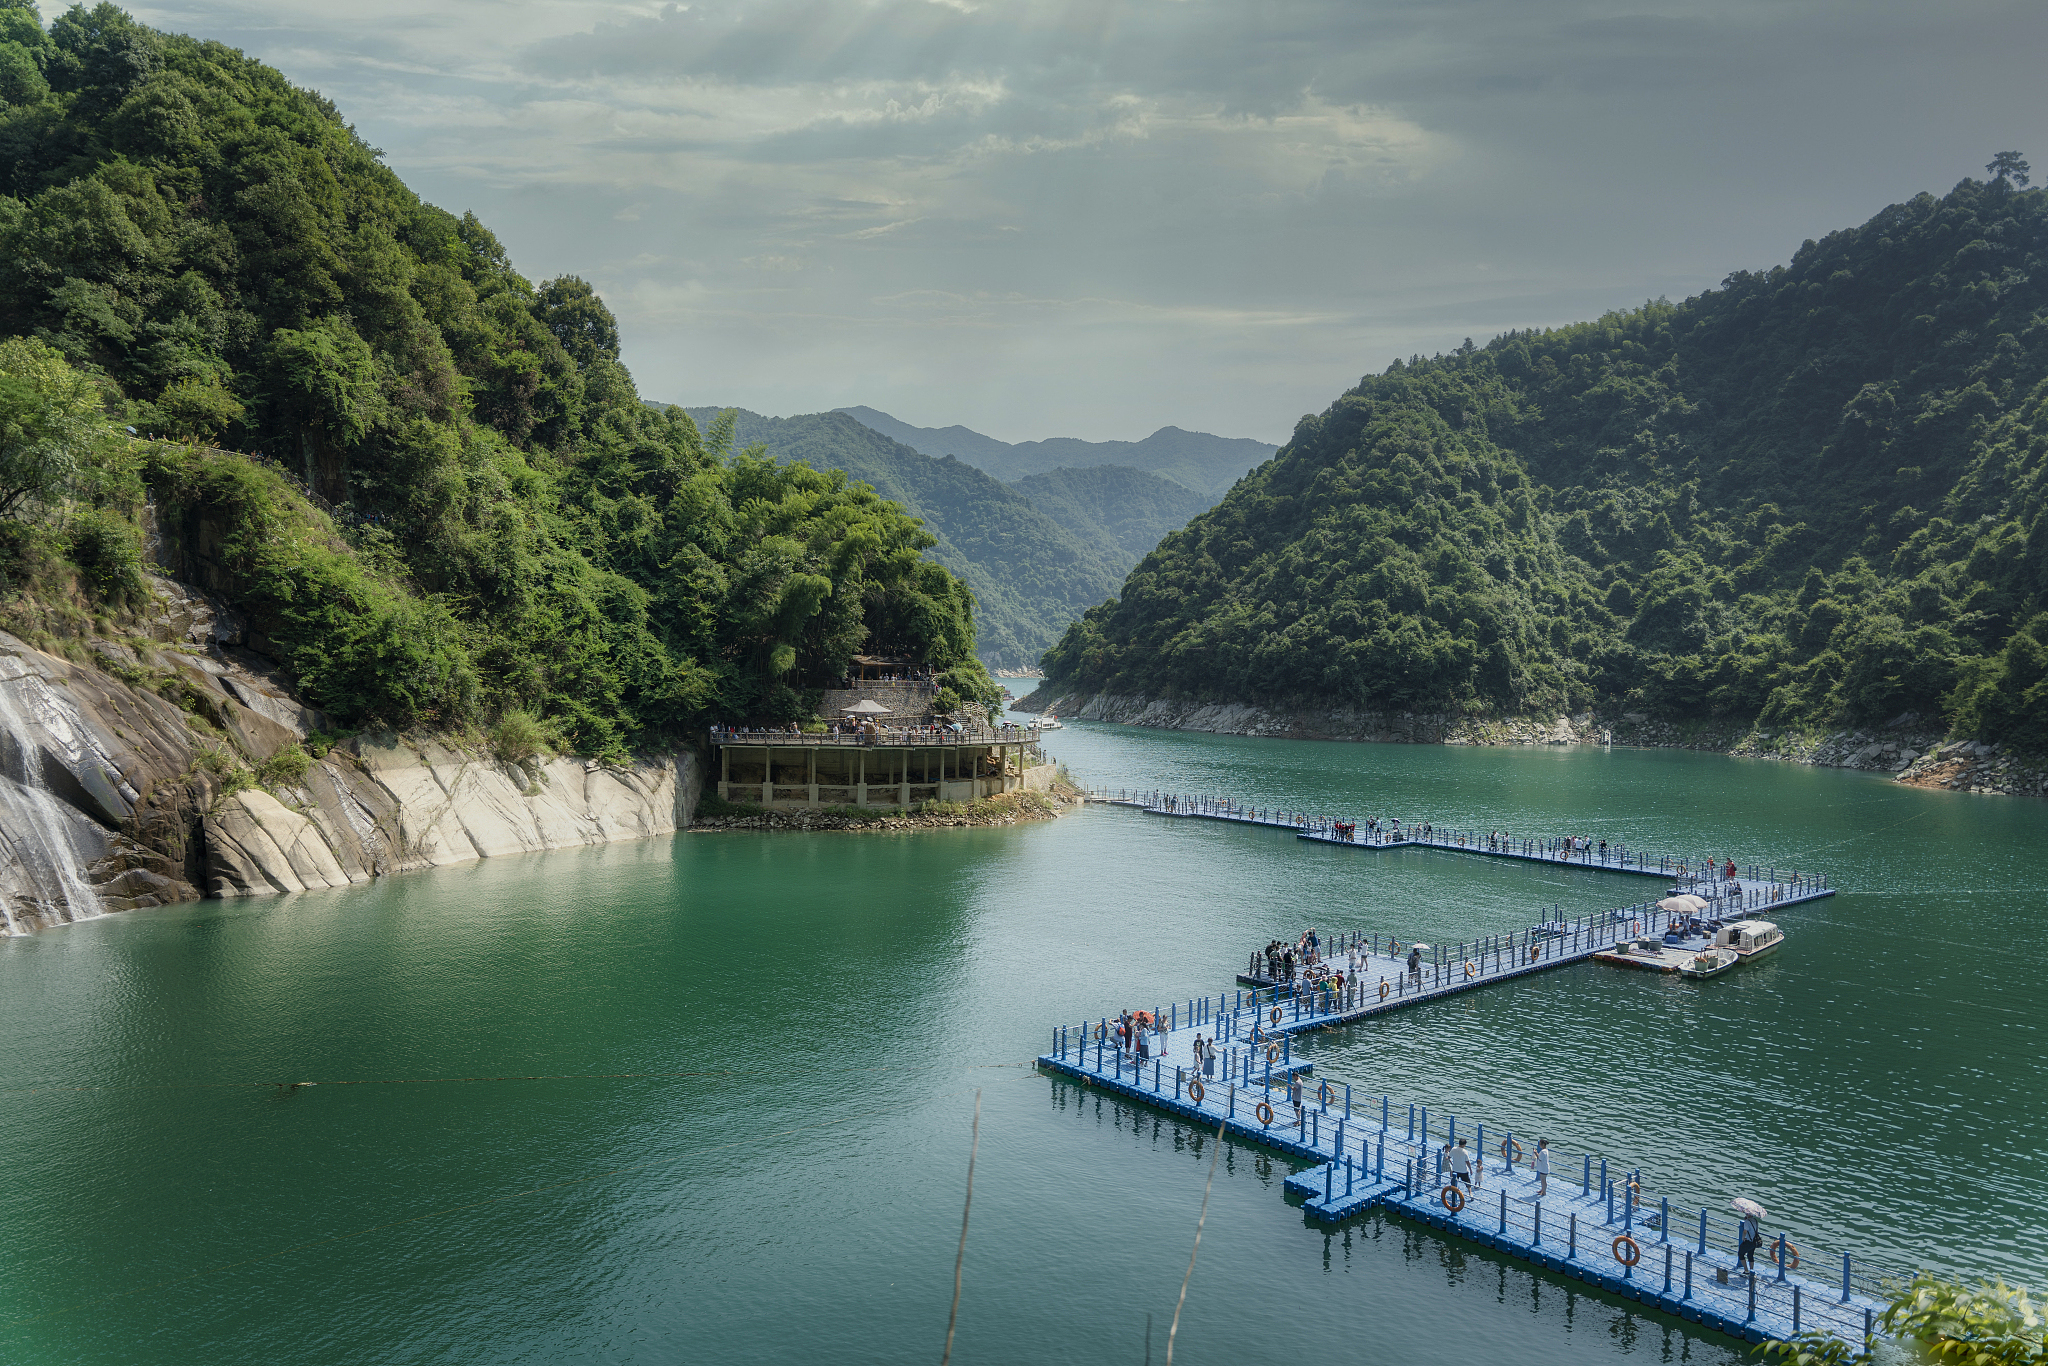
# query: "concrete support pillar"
860,790
814,776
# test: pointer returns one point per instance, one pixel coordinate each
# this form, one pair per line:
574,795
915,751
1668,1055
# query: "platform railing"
921,737
1552,849
1579,1221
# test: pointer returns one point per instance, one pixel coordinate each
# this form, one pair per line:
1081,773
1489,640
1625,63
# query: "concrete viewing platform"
871,765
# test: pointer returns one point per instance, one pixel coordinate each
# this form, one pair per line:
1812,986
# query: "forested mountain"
193,248
1110,505
1032,575
1813,495
1207,464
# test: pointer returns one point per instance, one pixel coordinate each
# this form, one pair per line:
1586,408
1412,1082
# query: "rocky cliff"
1906,747
150,771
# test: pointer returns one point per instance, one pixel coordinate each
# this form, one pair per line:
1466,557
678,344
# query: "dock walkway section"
1590,1229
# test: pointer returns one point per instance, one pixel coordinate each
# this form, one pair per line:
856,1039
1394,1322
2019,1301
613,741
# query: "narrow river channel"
708,1098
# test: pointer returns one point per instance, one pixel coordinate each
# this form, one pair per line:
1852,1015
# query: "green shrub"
518,738
286,768
107,549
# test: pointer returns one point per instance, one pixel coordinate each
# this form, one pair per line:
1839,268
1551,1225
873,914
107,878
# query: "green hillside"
1207,464
494,528
1031,575
1111,506
1813,495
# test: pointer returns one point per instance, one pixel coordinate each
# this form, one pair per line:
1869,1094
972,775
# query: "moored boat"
1749,938
1709,962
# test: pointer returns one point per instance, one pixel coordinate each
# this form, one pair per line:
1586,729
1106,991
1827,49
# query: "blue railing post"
1503,1211
1572,1244
1688,1276
1664,1223
1795,1307
1385,1102
1845,1278
1752,1299
1703,1233
1586,1177
1781,1259
1536,1225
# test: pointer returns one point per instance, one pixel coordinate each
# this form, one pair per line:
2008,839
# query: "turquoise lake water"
708,1098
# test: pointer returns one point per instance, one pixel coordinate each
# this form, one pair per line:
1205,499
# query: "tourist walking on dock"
1294,1094
1747,1235
1209,1059
1460,1163
1542,1165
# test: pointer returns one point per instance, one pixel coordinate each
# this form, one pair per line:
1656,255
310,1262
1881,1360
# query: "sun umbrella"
1744,1205
865,707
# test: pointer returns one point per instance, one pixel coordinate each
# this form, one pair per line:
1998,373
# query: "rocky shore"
152,770
1011,808
1906,747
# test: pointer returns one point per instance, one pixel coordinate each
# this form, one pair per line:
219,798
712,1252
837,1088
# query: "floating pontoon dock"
1598,1233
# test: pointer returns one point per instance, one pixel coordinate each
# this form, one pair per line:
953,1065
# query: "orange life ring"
1272,1052
1264,1112
1505,1145
1275,1016
1791,1256
1470,971
1323,1093
1383,988
1535,952
1626,1250
1195,1092
1452,1200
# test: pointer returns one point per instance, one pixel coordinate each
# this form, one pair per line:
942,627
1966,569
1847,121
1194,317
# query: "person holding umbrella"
1748,1234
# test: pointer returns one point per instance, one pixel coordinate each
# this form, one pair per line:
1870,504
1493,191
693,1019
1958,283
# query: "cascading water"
38,854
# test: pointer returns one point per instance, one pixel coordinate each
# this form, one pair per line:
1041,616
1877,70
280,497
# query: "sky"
1094,218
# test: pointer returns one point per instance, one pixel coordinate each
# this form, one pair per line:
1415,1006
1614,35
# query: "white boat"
1709,962
1749,938
1050,723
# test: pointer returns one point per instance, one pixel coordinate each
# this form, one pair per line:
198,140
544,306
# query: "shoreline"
1904,749
1015,808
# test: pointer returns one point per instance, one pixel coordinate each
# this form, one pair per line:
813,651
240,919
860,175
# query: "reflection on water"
708,1097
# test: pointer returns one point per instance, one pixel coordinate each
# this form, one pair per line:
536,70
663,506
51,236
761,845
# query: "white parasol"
1683,904
1744,1205
865,707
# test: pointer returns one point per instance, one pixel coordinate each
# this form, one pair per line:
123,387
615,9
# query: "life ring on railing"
1272,1052
1275,1016
1535,952
1452,1200
1508,1144
1102,1033
1626,1250
1470,971
1791,1256
1195,1092
1264,1113
1323,1093
1383,988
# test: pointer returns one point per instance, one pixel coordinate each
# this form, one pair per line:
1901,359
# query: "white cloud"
1104,215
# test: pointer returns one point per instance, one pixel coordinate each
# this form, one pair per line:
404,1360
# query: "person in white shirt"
1461,1165
1542,1165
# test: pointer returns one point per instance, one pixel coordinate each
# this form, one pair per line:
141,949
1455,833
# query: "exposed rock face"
112,794
1904,747
378,805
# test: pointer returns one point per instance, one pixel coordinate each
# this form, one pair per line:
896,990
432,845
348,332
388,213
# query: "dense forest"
1029,574
1813,497
1037,553
454,507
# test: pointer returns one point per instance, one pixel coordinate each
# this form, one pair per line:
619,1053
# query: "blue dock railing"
1561,850
1605,1224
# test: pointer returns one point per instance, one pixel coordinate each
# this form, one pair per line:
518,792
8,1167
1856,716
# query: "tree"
2009,167
49,414
571,309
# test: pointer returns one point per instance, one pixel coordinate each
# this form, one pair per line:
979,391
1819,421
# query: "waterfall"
37,852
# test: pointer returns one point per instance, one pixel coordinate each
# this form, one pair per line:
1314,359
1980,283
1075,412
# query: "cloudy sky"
1096,217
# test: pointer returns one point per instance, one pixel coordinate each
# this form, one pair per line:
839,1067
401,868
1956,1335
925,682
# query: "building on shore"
879,766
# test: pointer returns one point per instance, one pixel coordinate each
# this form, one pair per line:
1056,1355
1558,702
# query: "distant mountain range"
1037,553
1207,464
